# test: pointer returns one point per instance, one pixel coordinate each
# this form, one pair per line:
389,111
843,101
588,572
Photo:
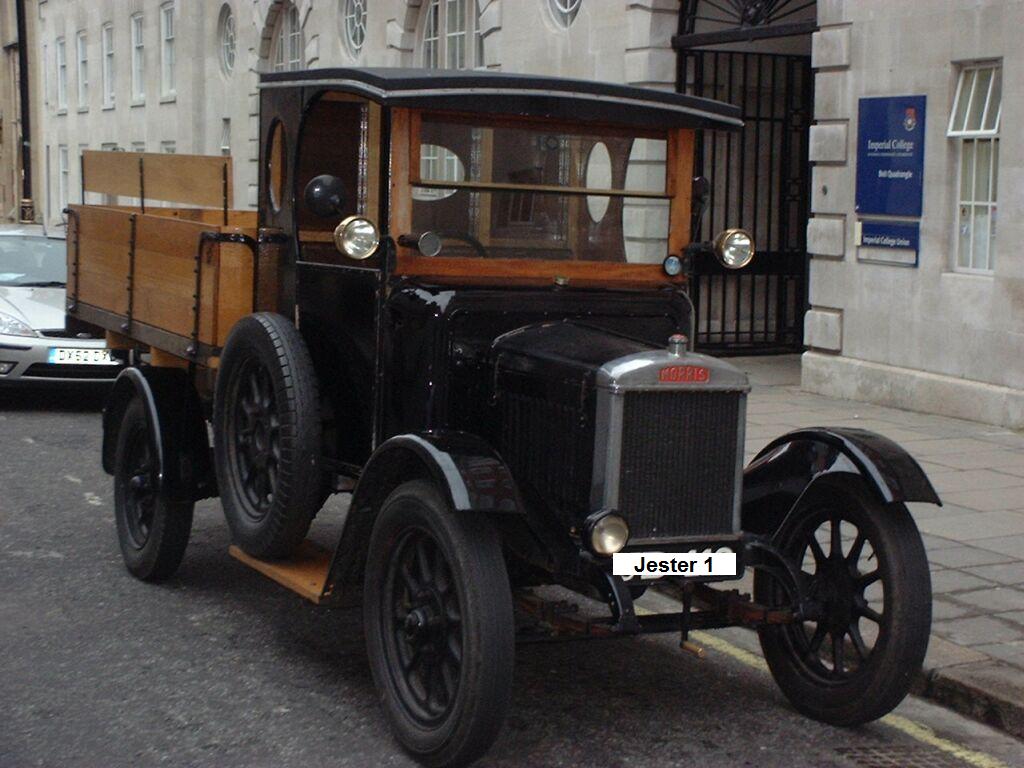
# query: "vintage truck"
463,300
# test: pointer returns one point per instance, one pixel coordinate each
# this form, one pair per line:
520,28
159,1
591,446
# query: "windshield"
28,261
538,192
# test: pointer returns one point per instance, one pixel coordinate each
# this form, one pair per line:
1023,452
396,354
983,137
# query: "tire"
877,588
267,436
152,529
410,615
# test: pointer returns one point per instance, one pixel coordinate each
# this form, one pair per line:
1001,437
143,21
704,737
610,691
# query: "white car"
34,344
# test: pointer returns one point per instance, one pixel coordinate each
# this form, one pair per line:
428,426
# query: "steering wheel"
467,238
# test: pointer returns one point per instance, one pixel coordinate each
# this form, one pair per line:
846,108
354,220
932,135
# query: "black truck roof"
540,96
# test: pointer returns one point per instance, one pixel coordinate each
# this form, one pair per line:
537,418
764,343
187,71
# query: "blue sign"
890,234
890,156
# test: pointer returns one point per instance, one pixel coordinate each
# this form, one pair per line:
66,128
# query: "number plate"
656,565
64,356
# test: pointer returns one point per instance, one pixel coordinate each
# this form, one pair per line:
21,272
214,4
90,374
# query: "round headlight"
734,248
357,237
672,265
608,534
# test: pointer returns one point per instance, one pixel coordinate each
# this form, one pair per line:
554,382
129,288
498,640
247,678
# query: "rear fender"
464,468
788,466
176,427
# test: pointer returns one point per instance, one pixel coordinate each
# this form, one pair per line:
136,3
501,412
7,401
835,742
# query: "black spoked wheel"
864,636
152,529
425,640
439,626
256,438
267,436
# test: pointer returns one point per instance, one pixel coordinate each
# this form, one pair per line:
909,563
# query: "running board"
304,573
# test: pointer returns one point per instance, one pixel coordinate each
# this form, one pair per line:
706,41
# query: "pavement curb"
991,692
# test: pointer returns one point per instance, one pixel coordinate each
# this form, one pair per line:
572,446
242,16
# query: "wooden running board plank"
304,573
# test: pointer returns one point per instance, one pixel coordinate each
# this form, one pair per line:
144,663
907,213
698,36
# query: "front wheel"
439,626
864,637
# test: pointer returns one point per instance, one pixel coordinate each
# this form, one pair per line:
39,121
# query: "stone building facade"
946,335
181,75
942,331
12,134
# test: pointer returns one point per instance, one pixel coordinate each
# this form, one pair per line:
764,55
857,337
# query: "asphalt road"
220,667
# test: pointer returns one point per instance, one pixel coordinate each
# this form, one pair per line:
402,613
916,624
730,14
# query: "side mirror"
325,196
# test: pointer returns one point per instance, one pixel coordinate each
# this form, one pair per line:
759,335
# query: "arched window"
288,43
564,11
450,35
227,39
353,25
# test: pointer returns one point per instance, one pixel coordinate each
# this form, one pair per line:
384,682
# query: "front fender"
467,471
177,428
781,473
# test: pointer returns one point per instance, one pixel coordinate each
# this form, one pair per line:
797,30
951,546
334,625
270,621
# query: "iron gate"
760,180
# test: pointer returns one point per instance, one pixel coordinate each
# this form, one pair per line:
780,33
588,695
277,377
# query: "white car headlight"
12,326
734,248
357,237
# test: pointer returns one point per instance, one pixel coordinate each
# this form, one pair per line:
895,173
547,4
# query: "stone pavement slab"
975,541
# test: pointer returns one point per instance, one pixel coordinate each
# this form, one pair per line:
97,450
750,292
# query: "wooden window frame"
405,143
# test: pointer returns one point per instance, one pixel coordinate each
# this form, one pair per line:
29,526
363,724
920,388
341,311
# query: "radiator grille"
678,470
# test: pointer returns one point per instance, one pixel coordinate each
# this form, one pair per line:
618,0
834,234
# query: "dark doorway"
760,180
753,54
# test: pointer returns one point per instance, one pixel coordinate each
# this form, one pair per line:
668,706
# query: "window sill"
974,274
169,98
62,110
138,103
83,110
108,107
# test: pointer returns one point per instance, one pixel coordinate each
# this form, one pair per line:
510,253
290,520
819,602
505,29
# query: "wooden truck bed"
171,279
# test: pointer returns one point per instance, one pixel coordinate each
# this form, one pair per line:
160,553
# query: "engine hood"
40,308
572,350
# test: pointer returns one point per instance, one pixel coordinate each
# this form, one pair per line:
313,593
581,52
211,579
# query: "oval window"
437,166
276,159
598,176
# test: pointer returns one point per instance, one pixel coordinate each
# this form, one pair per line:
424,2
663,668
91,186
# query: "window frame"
63,176
168,22
136,25
82,59
967,207
61,53
108,71
436,35
353,22
227,39
288,36
564,12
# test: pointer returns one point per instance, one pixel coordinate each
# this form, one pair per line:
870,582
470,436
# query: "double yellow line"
916,731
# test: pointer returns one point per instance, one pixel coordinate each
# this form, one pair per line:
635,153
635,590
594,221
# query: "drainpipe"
27,207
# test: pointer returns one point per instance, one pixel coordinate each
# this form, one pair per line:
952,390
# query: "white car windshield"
32,261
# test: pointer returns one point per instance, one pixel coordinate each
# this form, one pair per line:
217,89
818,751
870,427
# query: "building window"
974,127
225,136
167,50
228,38
168,147
288,42
451,35
564,11
62,74
353,23
138,60
82,55
107,41
63,178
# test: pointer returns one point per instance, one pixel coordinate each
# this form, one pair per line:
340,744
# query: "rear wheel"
439,626
267,436
152,529
855,655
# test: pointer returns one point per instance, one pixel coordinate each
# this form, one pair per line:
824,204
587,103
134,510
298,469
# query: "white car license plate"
656,565
65,356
